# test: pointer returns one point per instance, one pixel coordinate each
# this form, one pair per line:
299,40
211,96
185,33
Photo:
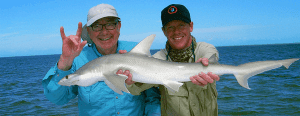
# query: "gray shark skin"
146,69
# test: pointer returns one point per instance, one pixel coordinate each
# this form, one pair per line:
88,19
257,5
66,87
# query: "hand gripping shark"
146,69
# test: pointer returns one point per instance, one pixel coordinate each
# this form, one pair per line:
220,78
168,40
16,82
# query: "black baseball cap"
175,12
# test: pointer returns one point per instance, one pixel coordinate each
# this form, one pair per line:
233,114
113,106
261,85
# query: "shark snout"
63,81
69,80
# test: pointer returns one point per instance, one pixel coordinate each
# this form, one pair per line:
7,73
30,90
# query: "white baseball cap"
96,13
100,11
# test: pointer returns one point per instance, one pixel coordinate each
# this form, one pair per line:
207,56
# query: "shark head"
69,80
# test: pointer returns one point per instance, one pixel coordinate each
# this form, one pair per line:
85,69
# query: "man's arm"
53,91
206,53
203,79
71,48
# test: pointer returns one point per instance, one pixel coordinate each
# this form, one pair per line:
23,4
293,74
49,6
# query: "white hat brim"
95,18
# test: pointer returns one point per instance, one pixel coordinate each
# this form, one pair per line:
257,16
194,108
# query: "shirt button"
117,97
118,112
58,75
193,104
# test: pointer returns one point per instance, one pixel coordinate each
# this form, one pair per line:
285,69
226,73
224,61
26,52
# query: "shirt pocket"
101,95
96,95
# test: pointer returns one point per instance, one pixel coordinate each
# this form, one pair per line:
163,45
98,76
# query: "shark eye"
67,77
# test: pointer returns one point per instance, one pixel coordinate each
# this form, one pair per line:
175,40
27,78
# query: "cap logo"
172,10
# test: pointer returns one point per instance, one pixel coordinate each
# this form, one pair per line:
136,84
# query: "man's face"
178,34
105,39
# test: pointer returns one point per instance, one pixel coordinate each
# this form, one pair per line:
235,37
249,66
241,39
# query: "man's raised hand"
71,48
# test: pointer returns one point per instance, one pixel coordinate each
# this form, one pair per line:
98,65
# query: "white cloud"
2,36
49,36
223,29
210,35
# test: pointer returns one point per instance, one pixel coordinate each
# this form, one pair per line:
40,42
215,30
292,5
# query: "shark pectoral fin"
118,81
111,86
172,85
123,88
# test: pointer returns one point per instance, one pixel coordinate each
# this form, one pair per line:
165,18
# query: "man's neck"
111,50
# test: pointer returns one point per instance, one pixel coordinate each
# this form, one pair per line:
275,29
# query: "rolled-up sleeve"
53,91
206,50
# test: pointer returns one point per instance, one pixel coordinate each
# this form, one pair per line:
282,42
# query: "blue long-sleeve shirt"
98,99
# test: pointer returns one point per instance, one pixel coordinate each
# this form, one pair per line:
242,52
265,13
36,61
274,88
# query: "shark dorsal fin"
144,46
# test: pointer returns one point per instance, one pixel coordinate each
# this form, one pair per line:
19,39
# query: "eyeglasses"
99,27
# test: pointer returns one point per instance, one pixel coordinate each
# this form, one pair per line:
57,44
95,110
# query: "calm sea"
275,92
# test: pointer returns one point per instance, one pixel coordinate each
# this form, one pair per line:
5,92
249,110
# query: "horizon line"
159,49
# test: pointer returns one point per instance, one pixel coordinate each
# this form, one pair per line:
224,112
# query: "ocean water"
275,92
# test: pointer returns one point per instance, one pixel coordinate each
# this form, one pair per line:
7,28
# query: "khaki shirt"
191,99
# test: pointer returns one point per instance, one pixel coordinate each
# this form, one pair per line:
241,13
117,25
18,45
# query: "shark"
147,69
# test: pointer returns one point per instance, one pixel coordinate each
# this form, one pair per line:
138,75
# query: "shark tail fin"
286,63
254,68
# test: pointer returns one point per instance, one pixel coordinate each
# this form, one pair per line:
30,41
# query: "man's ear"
191,26
119,25
163,29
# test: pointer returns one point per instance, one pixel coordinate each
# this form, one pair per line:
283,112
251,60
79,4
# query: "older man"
102,33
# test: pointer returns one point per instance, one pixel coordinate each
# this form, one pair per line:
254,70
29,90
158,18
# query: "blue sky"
31,27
